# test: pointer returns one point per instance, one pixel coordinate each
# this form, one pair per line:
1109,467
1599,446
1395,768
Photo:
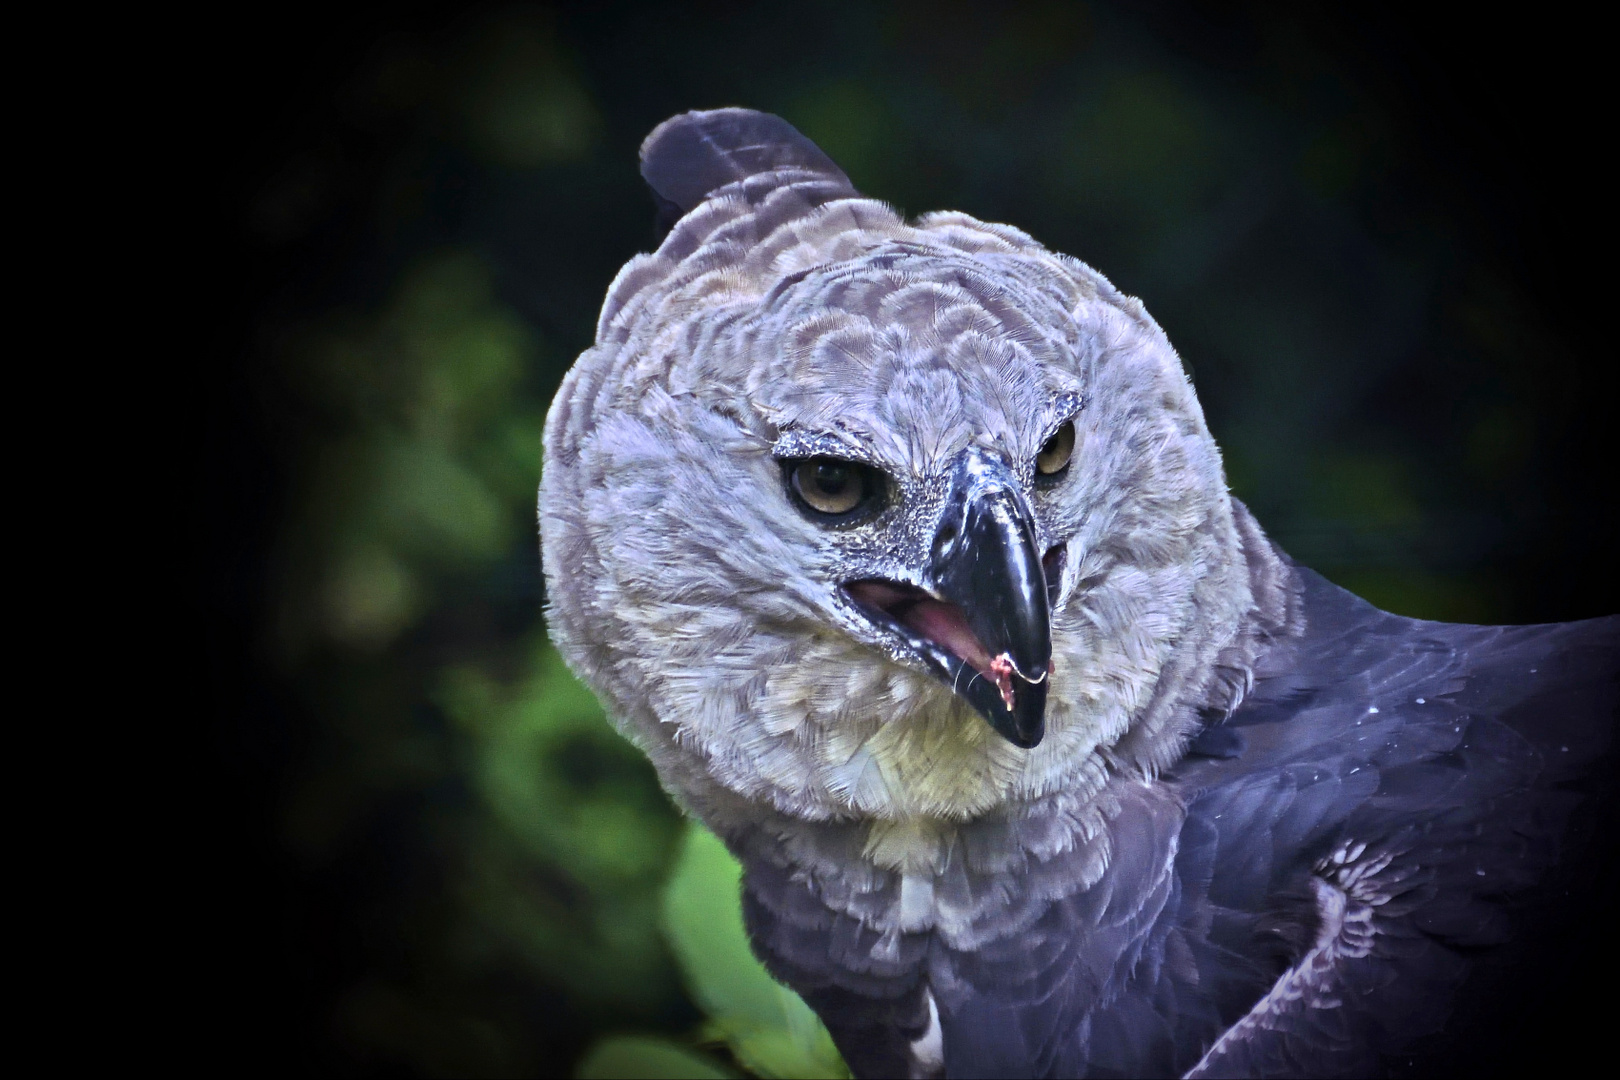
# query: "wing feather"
689,157
1308,899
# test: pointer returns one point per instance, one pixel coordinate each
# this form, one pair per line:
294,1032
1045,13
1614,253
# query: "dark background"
1376,235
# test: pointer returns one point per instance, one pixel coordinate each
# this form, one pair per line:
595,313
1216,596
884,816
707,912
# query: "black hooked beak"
983,621
985,561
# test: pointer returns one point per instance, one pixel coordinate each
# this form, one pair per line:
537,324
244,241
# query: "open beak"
983,623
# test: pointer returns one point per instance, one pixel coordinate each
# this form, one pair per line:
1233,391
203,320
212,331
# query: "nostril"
946,538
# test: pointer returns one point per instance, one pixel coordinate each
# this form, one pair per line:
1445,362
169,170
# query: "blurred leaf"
769,1027
441,357
509,459
427,463
578,835
560,778
631,1057
370,596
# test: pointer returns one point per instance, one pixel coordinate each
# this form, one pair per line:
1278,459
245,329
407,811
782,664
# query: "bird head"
875,518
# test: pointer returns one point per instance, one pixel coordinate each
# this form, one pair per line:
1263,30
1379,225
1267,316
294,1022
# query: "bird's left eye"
833,487
1054,457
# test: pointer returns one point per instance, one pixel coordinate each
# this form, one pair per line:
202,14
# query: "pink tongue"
943,623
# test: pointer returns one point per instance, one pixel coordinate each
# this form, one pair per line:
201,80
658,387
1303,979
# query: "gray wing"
1356,843
1402,786
1340,859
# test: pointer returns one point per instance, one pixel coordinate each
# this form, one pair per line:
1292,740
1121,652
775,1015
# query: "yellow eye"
1054,456
831,486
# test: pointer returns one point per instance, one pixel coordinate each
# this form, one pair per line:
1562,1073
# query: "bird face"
912,530
954,577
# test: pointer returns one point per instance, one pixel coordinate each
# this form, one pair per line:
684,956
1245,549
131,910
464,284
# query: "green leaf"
769,1027
574,838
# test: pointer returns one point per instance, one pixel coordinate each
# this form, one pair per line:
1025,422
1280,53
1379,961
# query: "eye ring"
832,490
1053,458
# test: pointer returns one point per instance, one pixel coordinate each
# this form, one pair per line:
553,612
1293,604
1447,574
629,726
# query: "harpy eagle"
904,552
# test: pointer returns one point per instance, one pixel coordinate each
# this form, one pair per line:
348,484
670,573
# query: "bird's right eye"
834,488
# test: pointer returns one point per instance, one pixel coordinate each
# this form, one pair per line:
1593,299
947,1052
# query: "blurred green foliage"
764,1026
561,789
516,895
768,1027
416,456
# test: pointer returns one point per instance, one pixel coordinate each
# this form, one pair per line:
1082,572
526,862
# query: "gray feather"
689,157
